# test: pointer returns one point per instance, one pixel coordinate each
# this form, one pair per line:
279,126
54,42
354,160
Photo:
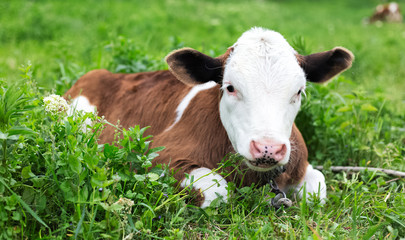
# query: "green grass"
57,182
76,32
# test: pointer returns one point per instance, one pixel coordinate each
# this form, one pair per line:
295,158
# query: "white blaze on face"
262,87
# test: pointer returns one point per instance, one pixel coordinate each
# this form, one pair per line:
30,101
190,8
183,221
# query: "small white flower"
125,202
55,104
116,178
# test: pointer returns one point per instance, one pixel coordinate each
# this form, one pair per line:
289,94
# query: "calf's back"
197,140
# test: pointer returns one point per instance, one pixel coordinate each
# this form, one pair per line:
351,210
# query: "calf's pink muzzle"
268,149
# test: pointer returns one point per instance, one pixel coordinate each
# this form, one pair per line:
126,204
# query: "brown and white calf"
244,102
389,12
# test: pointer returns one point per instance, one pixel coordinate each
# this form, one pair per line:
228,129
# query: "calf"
244,101
389,12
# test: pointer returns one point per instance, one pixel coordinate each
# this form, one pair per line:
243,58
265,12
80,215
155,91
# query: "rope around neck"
280,199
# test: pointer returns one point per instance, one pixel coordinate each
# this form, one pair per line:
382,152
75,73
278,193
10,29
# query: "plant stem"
358,169
4,153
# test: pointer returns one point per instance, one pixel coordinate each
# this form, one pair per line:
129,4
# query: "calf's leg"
314,182
209,183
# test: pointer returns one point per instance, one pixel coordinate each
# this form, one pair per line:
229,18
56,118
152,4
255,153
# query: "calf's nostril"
268,150
256,150
280,153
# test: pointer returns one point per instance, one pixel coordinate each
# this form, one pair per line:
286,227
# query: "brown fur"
197,140
140,98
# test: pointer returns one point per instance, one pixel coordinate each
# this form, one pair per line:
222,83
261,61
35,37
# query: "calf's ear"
320,67
192,67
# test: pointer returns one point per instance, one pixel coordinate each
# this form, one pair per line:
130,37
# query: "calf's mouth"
266,162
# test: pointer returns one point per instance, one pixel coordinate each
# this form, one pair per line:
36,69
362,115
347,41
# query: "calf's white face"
262,86
262,79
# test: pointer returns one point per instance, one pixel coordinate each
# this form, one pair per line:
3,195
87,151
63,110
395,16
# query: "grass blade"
79,225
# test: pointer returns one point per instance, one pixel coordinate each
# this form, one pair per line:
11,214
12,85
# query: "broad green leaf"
110,151
74,164
104,205
91,160
156,149
95,183
16,216
153,176
368,108
115,207
21,130
345,108
14,137
40,202
67,189
27,173
147,164
3,136
139,177
345,124
107,183
84,193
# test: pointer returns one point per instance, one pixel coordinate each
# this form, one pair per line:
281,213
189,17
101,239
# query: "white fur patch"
210,185
266,76
81,103
393,7
187,99
315,184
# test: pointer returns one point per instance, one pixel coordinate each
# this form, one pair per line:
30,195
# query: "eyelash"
301,92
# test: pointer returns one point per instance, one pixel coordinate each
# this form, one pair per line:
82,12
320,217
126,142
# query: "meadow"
57,182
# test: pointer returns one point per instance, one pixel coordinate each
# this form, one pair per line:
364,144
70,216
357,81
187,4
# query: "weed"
128,58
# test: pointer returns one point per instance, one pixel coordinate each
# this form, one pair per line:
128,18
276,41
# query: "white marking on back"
81,103
210,185
187,99
393,7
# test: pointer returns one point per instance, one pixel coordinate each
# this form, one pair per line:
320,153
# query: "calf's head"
262,80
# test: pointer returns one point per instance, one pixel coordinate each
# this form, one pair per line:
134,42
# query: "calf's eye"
299,92
230,88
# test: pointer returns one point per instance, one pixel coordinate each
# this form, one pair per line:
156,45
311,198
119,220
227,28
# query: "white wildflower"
125,202
116,178
125,210
55,104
